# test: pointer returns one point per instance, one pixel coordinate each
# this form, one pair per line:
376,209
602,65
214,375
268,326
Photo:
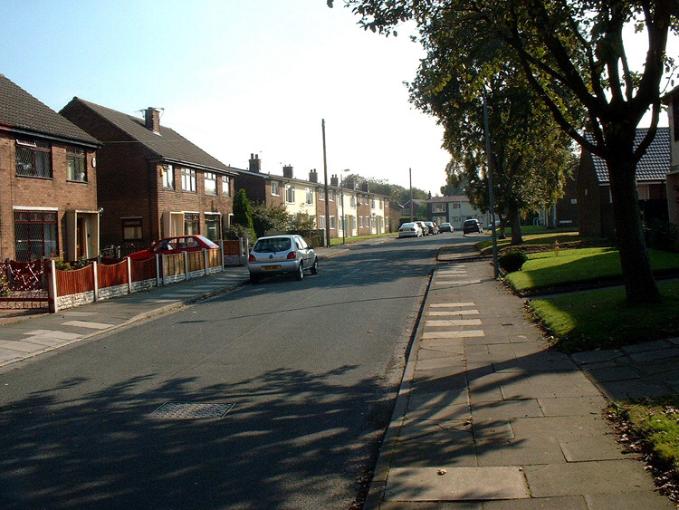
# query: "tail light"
251,258
292,255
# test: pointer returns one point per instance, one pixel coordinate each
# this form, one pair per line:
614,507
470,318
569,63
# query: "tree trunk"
515,218
640,286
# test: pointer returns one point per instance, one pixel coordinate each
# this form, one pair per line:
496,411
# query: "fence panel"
23,284
112,274
173,265
195,261
75,282
214,259
143,269
232,248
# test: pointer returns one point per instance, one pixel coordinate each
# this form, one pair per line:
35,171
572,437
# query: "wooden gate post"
206,262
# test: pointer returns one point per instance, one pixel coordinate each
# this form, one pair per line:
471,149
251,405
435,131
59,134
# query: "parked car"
174,245
409,230
472,225
433,227
446,227
281,254
423,227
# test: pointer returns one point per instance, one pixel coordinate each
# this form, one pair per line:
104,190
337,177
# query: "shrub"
512,261
661,235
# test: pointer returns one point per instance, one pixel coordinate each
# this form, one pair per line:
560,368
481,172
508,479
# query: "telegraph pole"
491,191
325,177
410,177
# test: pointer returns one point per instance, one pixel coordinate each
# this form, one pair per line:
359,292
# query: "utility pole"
325,177
491,193
410,177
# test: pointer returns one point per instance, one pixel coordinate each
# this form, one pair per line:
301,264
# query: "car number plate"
271,268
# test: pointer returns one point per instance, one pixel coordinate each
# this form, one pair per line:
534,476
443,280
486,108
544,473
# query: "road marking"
89,325
454,312
470,333
454,322
456,282
451,305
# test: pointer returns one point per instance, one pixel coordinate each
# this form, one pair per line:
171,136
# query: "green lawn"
657,423
337,241
601,318
544,239
549,269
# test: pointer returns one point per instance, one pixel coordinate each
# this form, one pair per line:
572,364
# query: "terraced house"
153,182
48,182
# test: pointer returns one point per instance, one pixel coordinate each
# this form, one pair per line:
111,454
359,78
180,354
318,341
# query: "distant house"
453,209
363,212
48,189
672,101
594,200
153,182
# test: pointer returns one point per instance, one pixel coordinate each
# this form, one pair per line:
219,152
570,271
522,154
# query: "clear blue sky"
235,77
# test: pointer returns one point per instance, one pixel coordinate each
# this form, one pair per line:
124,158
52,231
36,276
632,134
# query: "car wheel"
314,267
254,278
300,272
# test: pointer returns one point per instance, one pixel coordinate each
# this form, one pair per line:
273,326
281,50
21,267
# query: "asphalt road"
311,367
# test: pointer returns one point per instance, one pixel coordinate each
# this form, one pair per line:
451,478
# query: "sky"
237,77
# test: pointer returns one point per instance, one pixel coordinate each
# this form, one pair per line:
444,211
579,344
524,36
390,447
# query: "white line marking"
451,305
471,333
454,322
448,313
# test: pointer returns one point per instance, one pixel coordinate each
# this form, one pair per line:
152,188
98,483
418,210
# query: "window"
332,222
191,223
309,196
132,230
33,159
353,201
76,164
372,203
438,208
167,174
226,185
321,221
212,224
456,205
188,180
274,188
675,117
331,195
289,194
35,234
360,221
210,181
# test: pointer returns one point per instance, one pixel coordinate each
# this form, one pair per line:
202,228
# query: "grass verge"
537,241
652,427
548,269
337,241
601,318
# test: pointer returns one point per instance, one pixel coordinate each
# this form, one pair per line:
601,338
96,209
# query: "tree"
242,212
269,219
571,50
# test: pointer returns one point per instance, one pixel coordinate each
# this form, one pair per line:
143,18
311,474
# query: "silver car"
281,254
410,230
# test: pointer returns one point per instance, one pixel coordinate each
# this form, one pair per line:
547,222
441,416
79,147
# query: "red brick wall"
363,209
33,192
333,207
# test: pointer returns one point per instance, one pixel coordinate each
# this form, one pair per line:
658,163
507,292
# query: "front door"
81,237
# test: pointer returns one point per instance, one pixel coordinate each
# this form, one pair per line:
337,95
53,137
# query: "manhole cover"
188,411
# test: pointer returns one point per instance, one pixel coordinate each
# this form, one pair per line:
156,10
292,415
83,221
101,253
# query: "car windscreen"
272,245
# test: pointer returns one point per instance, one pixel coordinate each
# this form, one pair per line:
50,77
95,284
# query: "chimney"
152,119
255,163
287,171
313,175
364,186
334,181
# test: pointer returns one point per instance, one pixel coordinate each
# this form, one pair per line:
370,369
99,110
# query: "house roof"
167,145
449,198
20,111
653,166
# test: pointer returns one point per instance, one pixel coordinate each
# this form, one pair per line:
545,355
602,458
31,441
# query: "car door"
303,250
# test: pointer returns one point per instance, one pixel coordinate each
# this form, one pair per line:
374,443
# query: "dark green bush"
512,261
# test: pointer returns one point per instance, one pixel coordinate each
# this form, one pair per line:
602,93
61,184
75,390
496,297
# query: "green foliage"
242,210
657,423
395,192
302,224
662,235
512,261
273,218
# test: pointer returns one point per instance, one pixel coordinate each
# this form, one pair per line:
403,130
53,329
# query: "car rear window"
272,245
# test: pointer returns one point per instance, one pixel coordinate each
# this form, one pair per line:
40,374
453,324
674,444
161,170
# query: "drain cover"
189,411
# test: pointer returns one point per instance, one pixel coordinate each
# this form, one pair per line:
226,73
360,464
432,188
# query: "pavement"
26,336
489,418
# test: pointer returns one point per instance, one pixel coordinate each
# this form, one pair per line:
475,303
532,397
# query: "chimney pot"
288,171
255,164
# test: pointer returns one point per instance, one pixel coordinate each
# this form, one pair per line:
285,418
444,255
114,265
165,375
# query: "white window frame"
210,177
226,185
290,194
188,180
167,170
274,188
309,196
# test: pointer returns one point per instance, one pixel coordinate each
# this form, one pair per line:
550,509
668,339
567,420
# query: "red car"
174,245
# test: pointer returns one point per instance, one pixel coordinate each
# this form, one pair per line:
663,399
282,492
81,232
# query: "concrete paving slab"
450,447
495,431
536,385
427,354
591,448
431,364
506,409
453,413
443,343
583,358
619,373
449,313
451,305
448,505
647,346
62,335
88,325
437,399
470,333
24,347
599,477
629,501
560,503
632,389
572,406
562,428
457,483
662,354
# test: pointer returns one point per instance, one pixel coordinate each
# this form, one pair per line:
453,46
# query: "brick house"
153,182
594,200
672,101
453,209
48,183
